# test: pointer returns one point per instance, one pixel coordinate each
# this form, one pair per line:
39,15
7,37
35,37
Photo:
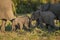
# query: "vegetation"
26,6
23,7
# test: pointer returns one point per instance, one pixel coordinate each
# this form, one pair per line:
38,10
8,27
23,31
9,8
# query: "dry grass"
36,34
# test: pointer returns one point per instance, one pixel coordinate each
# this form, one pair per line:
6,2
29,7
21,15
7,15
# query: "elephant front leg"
3,25
13,26
21,26
41,23
26,25
37,23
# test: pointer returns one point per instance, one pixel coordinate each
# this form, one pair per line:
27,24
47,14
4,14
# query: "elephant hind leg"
3,25
21,26
13,25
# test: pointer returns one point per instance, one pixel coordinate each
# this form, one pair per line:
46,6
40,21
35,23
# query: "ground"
36,34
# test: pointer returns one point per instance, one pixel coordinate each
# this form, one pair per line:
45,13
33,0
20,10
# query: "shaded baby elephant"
53,8
41,17
21,21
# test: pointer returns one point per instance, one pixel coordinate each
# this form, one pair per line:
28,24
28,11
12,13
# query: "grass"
34,34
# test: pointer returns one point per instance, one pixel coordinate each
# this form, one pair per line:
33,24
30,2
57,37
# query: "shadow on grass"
8,28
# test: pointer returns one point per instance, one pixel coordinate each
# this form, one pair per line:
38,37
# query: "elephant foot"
2,29
3,25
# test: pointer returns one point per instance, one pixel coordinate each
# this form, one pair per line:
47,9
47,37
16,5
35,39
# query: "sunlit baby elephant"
20,22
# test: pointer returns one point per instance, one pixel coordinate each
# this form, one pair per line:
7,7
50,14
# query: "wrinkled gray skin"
55,8
41,17
48,18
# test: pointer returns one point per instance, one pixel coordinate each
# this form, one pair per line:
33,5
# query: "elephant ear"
39,7
45,6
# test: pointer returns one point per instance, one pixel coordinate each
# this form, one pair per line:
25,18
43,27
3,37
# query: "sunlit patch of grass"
8,22
33,22
57,23
29,15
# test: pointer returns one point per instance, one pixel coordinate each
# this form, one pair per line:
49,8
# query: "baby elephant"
20,21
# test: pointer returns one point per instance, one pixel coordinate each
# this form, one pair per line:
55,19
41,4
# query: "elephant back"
6,10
